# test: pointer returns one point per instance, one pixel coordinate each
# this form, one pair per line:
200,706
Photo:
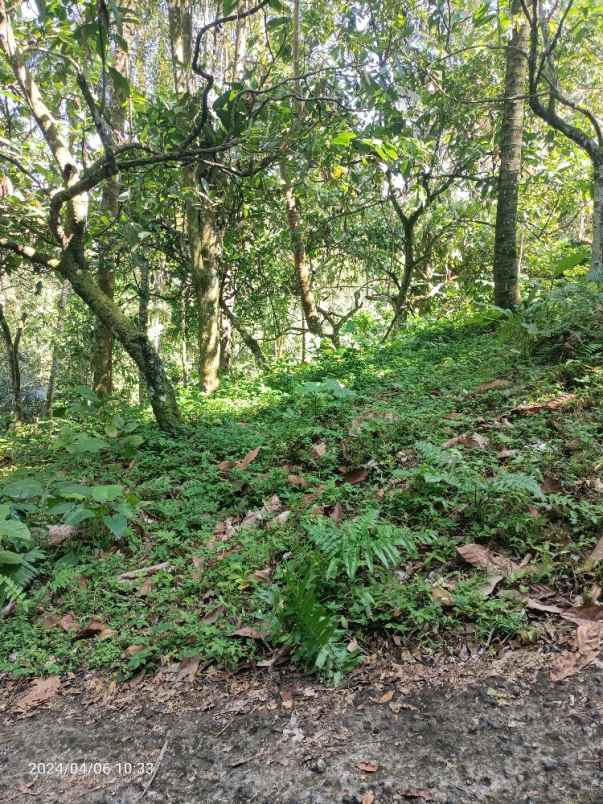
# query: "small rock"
550,764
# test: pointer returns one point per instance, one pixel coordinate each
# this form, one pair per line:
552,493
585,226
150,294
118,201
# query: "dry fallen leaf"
319,450
417,792
273,504
441,595
68,622
187,669
251,633
595,557
298,481
95,628
132,650
588,643
263,575
490,585
583,614
490,386
248,459
59,533
469,440
485,559
337,512
368,797
225,466
368,767
386,697
536,605
529,409
40,692
356,476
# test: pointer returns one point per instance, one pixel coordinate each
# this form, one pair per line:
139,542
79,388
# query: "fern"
363,542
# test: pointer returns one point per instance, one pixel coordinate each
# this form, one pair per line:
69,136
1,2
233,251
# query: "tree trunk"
102,351
135,342
143,320
302,271
247,338
205,242
204,235
54,366
12,354
506,263
597,258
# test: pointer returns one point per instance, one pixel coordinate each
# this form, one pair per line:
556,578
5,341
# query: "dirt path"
484,732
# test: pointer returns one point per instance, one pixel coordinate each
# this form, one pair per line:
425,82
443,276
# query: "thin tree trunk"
597,258
204,234
302,271
54,366
247,338
143,320
12,354
135,342
102,351
506,263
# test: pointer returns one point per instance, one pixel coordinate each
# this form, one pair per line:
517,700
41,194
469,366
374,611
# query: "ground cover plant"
402,496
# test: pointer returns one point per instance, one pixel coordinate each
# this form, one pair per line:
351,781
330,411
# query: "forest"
301,312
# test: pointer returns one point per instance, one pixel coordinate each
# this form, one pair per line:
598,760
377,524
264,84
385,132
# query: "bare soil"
479,730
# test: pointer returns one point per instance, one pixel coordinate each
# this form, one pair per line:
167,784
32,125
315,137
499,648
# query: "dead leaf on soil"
337,513
417,792
469,440
214,615
536,605
482,557
41,691
251,633
68,622
368,767
298,481
281,518
368,797
530,409
386,697
225,466
319,450
490,585
263,575
583,614
132,650
493,385
187,669
248,459
352,646
588,643
252,519
595,557
273,504
198,564
356,476
441,595
95,628
57,534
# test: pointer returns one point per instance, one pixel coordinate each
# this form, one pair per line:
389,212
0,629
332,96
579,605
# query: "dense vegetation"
300,306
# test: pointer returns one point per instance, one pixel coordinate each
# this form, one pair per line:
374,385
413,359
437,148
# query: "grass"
359,550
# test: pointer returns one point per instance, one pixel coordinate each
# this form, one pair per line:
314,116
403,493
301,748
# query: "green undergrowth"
340,536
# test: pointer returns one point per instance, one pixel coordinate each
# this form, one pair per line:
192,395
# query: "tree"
67,218
506,263
545,82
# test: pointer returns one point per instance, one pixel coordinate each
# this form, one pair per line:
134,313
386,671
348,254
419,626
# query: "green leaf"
8,557
86,443
23,489
4,511
344,138
78,515
106,493
229,6
16,531
117,524
277,22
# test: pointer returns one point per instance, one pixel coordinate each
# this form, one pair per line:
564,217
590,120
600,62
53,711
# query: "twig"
145,789
247,759
130,576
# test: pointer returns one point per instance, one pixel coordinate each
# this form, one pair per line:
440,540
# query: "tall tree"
578,122
506,261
